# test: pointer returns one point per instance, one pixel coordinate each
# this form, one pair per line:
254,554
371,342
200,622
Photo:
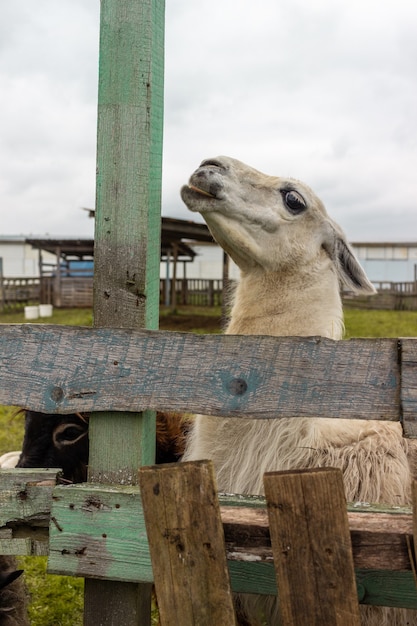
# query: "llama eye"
294,201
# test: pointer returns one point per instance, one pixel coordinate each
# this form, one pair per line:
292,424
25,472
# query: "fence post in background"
167,283
57,278
174,275
2,300
226,288
127,250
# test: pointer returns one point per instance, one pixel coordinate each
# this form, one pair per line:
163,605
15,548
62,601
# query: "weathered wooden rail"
69,369
98,530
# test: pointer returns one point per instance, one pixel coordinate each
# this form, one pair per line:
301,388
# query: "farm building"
200,256
388,261
60,270
189,258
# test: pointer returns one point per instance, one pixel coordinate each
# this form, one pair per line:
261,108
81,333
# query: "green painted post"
127,250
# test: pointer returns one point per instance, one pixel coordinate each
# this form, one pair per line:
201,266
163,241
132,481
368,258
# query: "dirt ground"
190,323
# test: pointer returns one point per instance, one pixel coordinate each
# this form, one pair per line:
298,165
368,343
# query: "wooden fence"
401,296
17,292
78,292
98,529
404,288
191,291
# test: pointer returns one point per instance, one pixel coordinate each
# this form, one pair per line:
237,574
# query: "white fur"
9,459
292,264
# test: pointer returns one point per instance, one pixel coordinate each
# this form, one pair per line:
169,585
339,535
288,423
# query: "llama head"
277,224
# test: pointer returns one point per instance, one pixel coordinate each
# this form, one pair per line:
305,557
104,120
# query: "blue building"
388,261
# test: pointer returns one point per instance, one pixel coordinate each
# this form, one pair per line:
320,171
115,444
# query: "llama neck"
285,305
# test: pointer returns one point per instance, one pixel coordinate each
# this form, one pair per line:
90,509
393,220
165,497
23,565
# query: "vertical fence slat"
413,557
186,541
127,249
312,548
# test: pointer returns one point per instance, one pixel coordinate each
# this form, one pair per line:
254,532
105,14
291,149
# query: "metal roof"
175,233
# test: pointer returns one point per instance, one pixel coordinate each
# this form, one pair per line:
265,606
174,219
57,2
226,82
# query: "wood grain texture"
127,245
25,503
83,513
99,531
70,369
378,536
129,164
378,533
409,385
311,545
26,495
187,544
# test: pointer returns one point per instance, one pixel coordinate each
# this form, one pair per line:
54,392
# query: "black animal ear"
348,268
9,577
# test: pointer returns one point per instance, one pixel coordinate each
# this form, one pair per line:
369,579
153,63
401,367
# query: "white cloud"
320,90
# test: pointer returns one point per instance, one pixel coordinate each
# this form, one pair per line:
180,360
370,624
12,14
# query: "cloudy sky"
321,90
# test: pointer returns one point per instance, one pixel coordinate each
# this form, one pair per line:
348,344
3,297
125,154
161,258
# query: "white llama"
292,258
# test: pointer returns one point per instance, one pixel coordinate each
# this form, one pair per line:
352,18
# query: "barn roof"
175,233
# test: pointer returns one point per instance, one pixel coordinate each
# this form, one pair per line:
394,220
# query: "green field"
57,600
360,323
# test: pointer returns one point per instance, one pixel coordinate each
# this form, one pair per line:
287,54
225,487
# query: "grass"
360,323
199,319
11,429
55,600
58,600
70,317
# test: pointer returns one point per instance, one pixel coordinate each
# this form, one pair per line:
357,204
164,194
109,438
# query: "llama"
292,259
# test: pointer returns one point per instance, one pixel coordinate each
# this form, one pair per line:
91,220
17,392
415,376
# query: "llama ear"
348,267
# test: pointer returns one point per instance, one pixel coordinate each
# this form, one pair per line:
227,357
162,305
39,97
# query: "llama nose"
218,163
208,178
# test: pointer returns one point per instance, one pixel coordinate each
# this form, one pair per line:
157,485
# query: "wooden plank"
376,588
378,535
409,386
24,547
379,541
126,370
413,544
25,500
99,532
129,164
127,246
26,495
311,544
186,540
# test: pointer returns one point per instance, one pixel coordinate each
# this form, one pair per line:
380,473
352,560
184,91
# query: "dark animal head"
62,441
56,441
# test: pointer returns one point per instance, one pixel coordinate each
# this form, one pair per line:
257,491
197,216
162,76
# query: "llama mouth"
200,191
